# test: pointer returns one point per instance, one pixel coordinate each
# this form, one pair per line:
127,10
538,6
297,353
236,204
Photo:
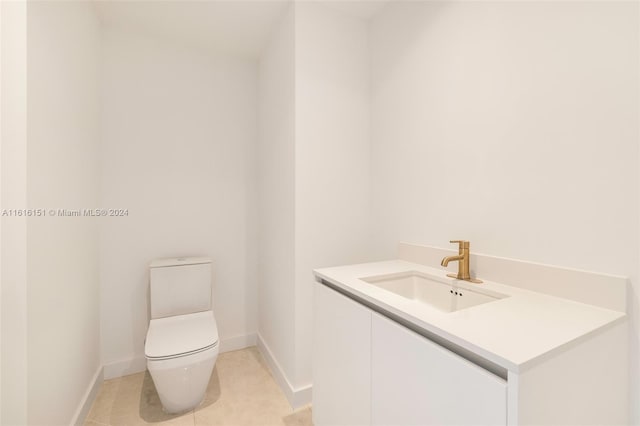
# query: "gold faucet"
463,262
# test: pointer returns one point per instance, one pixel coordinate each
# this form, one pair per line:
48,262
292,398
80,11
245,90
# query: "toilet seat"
181,335
182,362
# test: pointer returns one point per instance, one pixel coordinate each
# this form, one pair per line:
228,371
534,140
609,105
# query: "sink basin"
443,294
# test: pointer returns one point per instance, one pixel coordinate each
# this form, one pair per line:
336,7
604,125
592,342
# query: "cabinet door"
417,382
341,361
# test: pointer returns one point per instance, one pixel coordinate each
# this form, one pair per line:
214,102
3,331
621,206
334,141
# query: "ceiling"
237,27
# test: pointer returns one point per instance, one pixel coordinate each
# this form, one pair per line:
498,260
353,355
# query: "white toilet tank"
180,286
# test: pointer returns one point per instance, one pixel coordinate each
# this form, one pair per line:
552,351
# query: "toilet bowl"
181,352
182,341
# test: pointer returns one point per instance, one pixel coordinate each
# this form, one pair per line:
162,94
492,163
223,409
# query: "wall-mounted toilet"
182,341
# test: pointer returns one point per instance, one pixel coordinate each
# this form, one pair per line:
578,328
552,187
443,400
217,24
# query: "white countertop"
513,332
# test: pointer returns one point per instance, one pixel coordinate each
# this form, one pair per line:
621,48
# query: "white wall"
13,154
512,125
180,129
314,173
332,155
62,172
276,184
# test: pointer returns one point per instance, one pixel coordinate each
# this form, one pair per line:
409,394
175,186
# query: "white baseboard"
139,364
88,398
297,397
238,342
302,396
125,367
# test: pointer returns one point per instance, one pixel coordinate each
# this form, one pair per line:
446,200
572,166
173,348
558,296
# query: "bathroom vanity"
400,343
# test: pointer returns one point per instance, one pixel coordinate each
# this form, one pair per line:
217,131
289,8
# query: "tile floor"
241,392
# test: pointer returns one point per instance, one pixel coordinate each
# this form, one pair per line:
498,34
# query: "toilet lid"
181,334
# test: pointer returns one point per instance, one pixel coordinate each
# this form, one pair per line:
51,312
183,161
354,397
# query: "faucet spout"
448,259
463,262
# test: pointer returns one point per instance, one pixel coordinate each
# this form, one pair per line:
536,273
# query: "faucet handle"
462,244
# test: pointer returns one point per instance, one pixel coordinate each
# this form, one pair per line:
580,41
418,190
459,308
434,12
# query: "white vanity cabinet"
417,382
389,352
341,360
370,370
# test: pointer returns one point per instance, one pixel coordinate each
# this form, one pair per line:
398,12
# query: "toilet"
182,341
